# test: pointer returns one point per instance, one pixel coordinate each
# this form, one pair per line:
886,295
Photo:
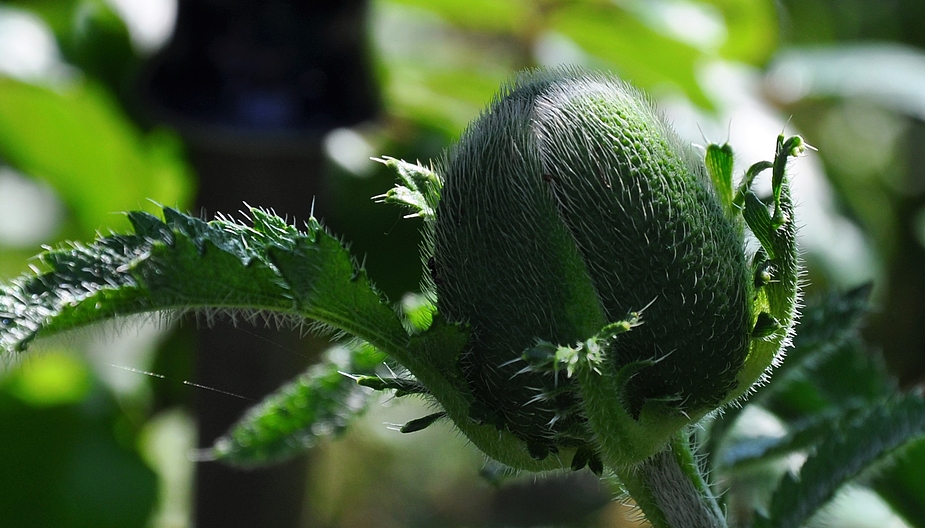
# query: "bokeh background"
107,106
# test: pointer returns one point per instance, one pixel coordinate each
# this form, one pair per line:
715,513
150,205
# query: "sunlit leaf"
444,99
56,379
751,28
637,52
79,140
58,14
478,15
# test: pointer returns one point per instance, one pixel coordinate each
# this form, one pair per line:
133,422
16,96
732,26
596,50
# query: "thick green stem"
670,489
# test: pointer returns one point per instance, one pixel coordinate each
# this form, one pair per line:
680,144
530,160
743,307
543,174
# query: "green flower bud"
570,205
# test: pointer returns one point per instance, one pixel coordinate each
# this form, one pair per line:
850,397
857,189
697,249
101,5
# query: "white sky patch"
554,49
30,212
892,75
28,50
349,149
856,507
150,22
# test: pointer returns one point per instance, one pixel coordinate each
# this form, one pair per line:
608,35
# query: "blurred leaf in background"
78,140
847,74
441,61
70,157
71,458
65,125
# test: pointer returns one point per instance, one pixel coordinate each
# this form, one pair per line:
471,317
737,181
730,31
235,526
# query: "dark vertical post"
253,87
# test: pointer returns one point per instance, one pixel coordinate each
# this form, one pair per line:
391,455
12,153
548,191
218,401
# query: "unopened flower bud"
570,204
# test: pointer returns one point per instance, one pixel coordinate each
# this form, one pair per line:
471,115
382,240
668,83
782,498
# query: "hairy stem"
670,489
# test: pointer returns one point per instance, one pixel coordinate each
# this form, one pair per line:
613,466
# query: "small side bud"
421,423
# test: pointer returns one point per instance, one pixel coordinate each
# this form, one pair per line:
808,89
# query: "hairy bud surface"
567,205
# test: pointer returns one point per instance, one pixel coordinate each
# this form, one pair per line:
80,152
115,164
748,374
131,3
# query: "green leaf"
759,220
505,16
100,44
751,29
902,484
744,453
846,452
738,30
57,379
848,376
418,310
827,323
321,402
184,263
445,97
79,140
58,14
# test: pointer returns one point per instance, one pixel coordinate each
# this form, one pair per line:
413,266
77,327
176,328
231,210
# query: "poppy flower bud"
567,206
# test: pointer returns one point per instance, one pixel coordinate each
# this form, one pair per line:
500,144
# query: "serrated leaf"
271,268
842,456
184,263
320,403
